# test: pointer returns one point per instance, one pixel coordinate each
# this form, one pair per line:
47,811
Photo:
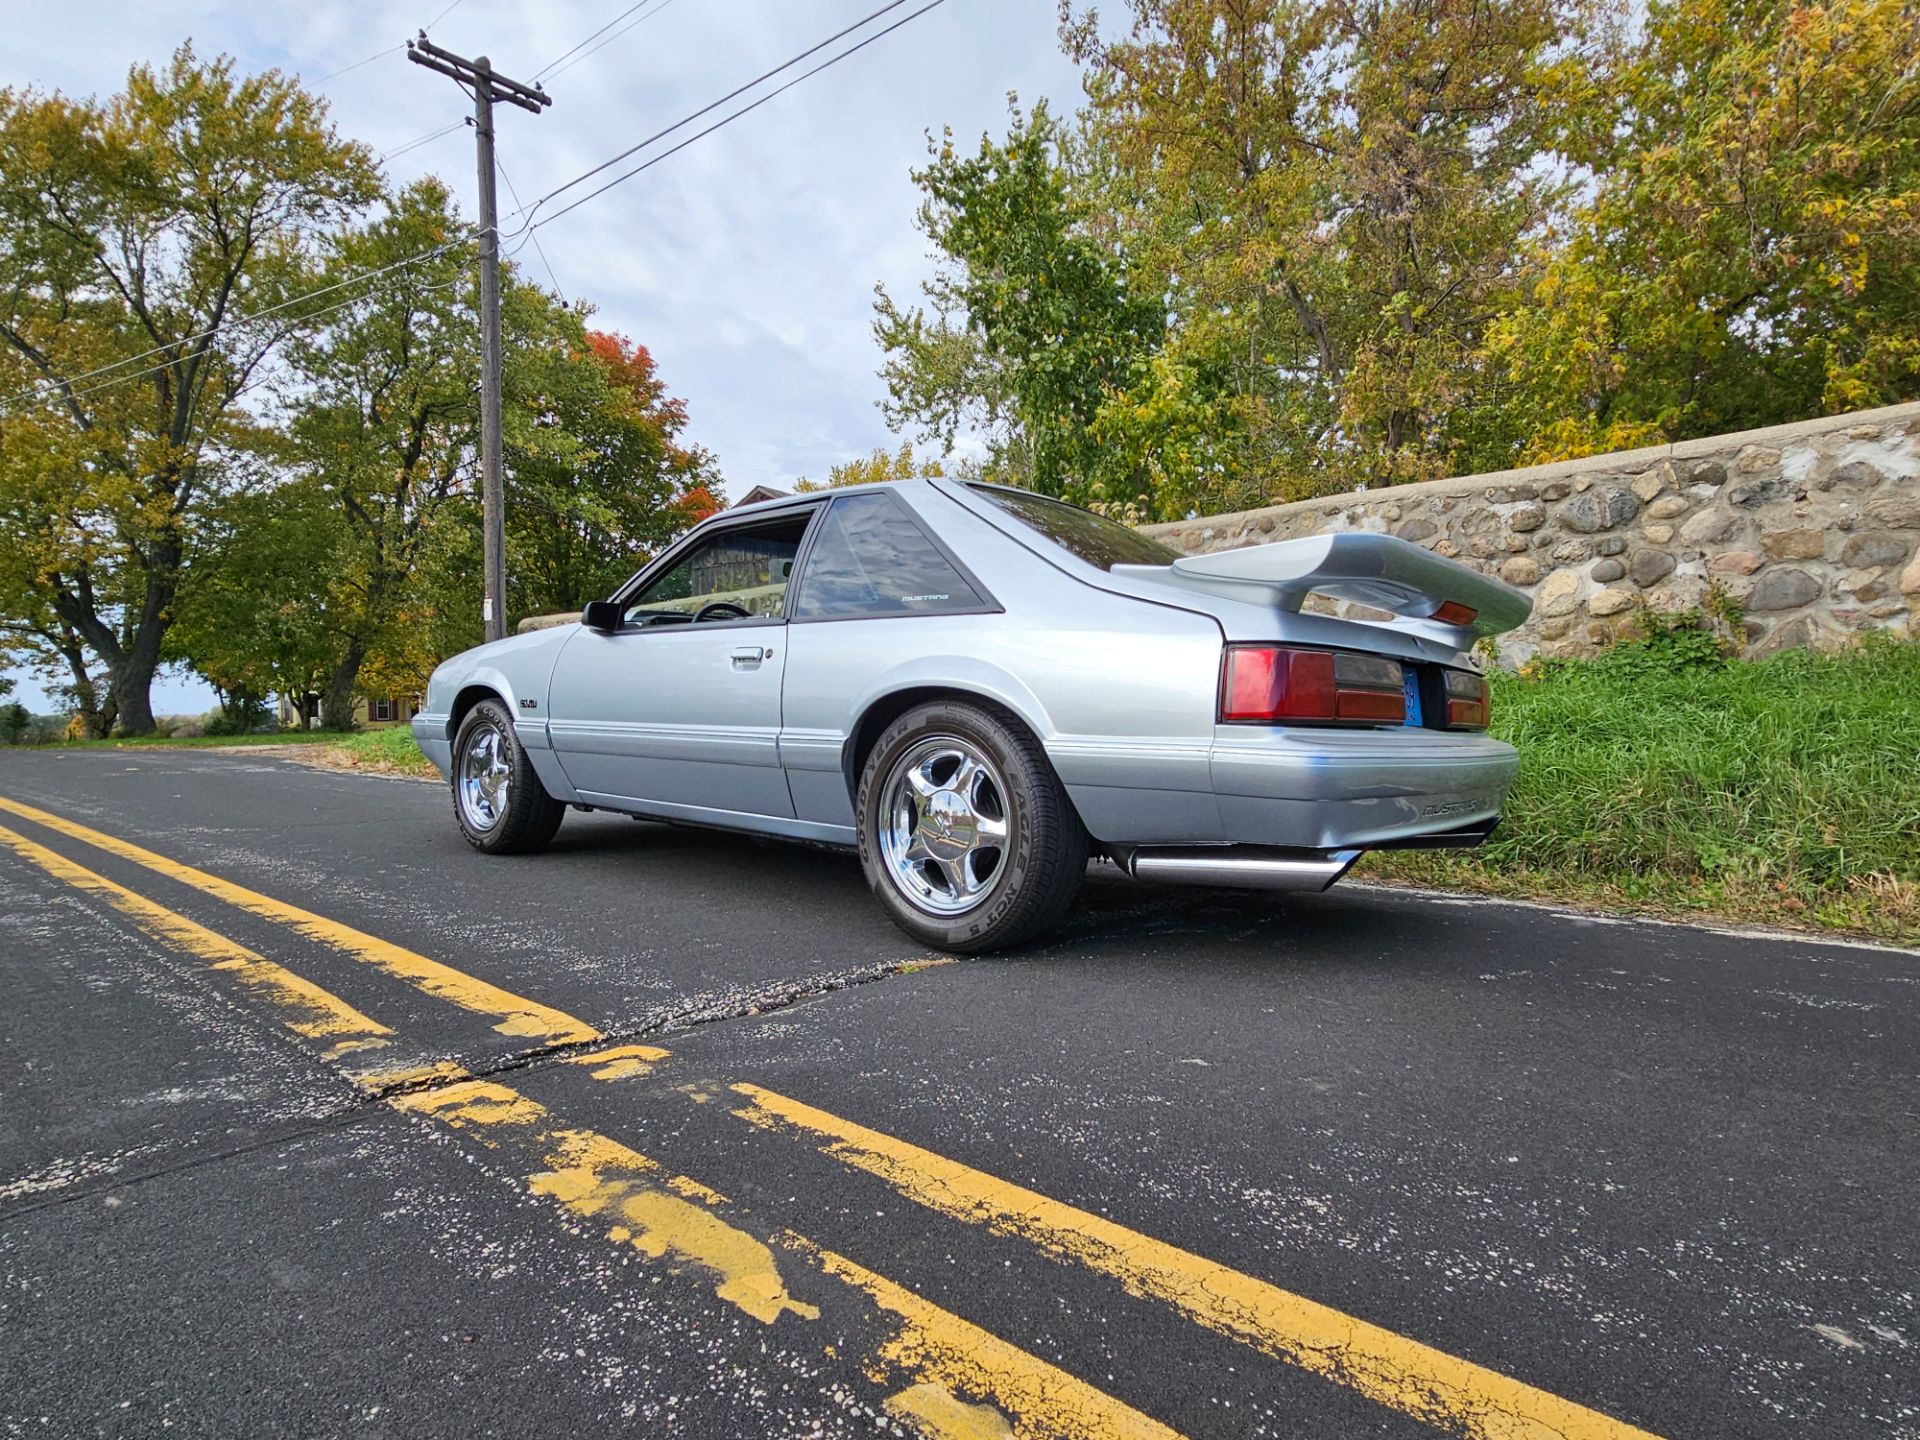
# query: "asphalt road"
314,1122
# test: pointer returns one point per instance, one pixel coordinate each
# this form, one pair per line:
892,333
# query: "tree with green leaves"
877,468
1032,325
254,618
1333,197
147,246
1264,261
1751,252
382,418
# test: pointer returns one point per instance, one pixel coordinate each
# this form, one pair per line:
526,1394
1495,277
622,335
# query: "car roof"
776,504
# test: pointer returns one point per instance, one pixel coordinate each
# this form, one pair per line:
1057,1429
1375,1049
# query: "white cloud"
746,263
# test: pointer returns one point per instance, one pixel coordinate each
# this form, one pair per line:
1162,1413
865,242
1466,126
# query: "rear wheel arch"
886,709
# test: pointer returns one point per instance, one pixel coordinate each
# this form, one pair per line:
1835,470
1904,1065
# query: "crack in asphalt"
699,1011
340,1119
362,1101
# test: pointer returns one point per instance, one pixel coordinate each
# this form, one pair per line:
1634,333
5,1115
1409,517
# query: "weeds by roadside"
1663,776
385,752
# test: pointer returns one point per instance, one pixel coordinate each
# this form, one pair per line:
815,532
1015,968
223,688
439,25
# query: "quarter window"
871,559
1092,538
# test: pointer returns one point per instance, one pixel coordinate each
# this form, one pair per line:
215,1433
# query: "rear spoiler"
1426,592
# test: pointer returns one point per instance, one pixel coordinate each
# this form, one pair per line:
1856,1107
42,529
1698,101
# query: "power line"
724,120
391,49
609,163
346,69
562,69
542,72
40,389
538,248
427,139
317,315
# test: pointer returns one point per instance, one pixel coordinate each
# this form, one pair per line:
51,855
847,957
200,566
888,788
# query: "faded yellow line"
928,1350
620,1062
514,1015
669,1217
1431,1386
940,1351
308,1010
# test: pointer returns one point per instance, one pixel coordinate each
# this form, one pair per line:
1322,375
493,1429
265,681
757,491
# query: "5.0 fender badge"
526,704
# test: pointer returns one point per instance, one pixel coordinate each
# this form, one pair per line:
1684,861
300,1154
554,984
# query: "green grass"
1779,790
392,752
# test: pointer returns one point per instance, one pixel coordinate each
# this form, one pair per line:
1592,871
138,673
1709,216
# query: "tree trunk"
337,707
130,691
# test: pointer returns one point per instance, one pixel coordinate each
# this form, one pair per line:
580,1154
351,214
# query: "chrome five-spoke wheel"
486,777
944,831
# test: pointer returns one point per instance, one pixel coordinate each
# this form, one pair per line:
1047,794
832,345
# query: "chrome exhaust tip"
1243,867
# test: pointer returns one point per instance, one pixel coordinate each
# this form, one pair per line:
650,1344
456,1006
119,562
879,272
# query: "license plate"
1412,683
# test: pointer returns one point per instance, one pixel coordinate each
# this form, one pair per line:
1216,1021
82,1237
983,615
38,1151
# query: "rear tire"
966,834
498,800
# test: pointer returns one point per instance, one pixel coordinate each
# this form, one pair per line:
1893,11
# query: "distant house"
759,493
368,714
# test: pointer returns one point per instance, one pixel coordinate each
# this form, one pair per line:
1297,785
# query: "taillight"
1262,684
1467,700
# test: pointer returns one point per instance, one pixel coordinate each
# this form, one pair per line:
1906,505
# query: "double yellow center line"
934,1356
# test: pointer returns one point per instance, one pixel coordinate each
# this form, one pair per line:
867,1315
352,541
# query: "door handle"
747,659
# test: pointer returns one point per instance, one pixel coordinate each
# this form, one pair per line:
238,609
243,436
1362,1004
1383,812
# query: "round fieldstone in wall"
1559,594
1895,512
1599,510
1795,545
1871,548
1649,566
1528,516
1608,570
1783,590
1857,473
1707,527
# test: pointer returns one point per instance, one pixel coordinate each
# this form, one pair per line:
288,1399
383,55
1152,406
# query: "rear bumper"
1306,789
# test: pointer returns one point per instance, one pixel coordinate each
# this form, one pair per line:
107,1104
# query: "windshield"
1093,538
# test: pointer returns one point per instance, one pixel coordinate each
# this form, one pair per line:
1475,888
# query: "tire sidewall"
1006,907
510,831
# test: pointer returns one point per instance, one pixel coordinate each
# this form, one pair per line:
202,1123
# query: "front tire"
966,834
498,800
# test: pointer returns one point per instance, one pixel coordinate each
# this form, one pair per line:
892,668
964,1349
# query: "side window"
871,559
739,573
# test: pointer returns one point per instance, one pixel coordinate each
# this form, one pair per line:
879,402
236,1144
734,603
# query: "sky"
746,263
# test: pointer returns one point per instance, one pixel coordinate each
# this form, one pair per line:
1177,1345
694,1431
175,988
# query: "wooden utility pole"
478,77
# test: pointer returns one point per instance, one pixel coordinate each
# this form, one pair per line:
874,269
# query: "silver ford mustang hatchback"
980,689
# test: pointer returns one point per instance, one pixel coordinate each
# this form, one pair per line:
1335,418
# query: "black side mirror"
601,615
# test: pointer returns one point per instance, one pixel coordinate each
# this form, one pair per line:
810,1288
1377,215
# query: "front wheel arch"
470,696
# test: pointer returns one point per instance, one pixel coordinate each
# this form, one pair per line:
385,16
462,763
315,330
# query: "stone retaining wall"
1811,527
